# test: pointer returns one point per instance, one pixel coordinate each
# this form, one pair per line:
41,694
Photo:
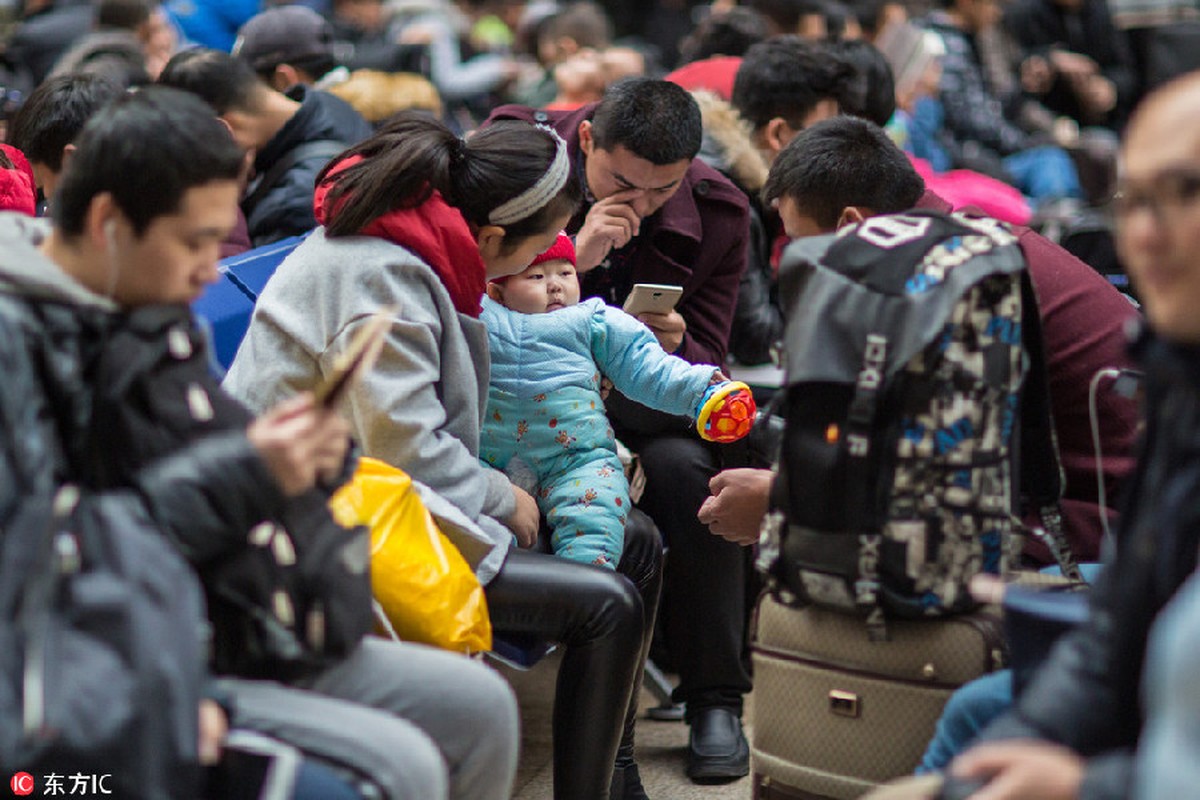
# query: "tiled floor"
660,746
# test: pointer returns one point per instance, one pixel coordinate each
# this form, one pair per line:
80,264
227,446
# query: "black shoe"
717,748
627,783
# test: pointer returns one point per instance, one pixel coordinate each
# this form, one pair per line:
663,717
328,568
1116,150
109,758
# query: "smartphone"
652,298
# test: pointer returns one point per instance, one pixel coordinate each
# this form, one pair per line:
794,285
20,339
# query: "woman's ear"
490,239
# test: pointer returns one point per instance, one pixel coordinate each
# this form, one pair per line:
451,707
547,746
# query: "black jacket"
123,405
286,209
1087,696
205,498
729,149
1041,25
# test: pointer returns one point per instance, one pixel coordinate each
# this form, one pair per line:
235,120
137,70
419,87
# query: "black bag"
909,341
102,648
298,597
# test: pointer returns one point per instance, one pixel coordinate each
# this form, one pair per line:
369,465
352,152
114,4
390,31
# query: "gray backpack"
916,417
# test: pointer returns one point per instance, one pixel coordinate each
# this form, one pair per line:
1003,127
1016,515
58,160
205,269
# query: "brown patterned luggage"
835,714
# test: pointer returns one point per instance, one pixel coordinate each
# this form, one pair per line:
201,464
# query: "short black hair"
147,149
55,113
840,162
871,92
731,33
786,77
219,79
655,120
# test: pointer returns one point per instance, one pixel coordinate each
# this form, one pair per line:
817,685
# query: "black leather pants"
604,621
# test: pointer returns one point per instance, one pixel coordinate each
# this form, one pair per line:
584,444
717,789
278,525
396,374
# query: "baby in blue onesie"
544,412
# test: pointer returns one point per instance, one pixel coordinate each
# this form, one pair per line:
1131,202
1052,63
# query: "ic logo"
21,784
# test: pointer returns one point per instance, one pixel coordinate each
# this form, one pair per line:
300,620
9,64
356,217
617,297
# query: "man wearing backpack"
102,292
845,170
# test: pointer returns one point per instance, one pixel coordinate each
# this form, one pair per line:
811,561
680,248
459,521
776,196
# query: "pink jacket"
18,192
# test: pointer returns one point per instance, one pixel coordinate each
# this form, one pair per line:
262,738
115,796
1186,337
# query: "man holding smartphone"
656,214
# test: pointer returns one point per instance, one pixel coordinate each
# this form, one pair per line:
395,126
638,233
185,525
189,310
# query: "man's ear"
490,239
284,77
852,215
586,142
100,221
776,134
241,127
68,154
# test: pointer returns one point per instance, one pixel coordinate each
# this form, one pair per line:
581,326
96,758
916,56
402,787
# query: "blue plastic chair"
229,303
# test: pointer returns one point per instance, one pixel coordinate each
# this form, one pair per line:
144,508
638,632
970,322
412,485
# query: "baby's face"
543,287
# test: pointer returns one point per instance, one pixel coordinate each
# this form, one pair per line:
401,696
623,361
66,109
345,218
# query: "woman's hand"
301,443
525,519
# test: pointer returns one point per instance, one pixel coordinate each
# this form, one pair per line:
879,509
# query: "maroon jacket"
697,240
1083,327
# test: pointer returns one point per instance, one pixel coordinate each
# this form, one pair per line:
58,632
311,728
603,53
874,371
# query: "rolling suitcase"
835,714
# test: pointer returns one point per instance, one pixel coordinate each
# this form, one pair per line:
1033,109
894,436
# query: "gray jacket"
420,407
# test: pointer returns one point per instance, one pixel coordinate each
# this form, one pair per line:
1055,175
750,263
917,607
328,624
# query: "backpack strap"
856,443
262,185
1036,457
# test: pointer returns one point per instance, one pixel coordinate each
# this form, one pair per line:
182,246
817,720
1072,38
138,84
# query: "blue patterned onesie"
544,408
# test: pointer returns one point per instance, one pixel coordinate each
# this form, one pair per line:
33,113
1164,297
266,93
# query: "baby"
545,424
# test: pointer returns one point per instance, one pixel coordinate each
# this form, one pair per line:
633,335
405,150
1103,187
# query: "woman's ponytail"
400,167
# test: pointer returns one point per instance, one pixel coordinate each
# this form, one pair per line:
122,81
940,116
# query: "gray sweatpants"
421,723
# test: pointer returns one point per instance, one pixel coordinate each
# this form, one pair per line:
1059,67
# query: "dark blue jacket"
287,207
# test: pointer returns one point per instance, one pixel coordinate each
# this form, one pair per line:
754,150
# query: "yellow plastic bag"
423,584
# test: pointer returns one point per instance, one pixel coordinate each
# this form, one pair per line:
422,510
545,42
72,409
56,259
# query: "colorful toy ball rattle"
727,412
